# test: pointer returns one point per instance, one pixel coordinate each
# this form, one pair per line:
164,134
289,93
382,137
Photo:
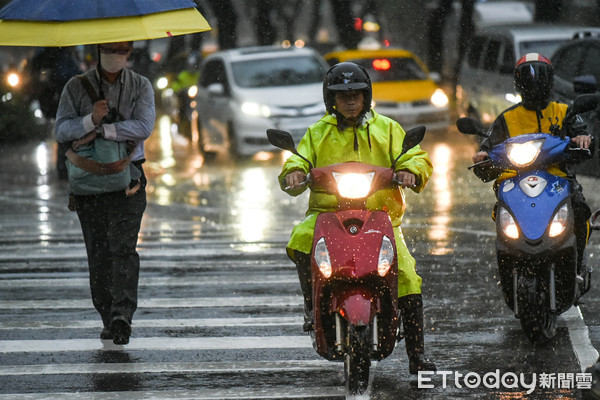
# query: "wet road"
219,314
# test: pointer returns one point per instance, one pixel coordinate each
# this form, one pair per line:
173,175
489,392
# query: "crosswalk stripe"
155,282
157,323
157,344
284,392
162,367
249,301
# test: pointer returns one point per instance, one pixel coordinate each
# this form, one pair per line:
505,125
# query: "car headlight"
13,79
513,98
192,91
354,186
559,222
386,256
321,255
523,154
439,98
162,83
508,224
256,110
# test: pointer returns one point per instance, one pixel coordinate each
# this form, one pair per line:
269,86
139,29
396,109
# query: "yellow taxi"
402,87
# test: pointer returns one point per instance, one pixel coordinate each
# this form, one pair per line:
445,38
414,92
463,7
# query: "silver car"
243,92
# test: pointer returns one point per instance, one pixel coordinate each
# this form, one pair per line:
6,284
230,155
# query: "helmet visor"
534,76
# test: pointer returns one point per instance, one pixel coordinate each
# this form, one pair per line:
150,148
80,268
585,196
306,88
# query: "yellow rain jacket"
378,141
515,121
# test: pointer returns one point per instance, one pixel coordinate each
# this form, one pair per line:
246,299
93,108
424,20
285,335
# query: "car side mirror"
216,89
435,76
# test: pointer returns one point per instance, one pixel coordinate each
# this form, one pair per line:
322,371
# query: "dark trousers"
110,223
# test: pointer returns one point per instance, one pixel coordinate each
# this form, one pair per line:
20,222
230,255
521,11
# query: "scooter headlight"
508,224
386,256
354,186
559,222
523,154
321,255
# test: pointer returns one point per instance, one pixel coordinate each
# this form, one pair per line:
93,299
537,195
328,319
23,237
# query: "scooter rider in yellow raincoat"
351,131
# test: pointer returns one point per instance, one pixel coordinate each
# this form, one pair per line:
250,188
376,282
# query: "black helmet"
346,76
534,77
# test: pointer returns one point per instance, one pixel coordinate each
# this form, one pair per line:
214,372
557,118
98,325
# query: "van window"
214,72
491,55
590,63
508,59
544,47
567,64
475,51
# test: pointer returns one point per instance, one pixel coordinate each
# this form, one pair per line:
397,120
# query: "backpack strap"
89,88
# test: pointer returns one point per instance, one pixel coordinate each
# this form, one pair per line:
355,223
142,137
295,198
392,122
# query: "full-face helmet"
534,77
346,76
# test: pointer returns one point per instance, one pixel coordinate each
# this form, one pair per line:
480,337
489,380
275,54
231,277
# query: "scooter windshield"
530,151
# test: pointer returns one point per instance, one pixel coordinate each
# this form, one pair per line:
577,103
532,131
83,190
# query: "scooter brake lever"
301,184
486,161
397,182
579,149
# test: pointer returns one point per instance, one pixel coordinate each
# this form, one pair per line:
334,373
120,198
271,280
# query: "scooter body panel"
533,198
354,290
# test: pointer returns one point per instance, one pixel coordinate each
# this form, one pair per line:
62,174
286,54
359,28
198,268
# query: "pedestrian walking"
123,111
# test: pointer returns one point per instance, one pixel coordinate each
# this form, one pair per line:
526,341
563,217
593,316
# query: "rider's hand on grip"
295,180
405,179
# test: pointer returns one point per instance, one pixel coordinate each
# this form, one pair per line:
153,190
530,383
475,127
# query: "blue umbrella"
68,22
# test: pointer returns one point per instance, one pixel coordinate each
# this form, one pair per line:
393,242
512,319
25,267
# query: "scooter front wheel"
537,321
356,360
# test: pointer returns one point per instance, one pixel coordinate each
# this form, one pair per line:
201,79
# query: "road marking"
246,279
162,367
157,323
282,392
193,302
157,344
579,335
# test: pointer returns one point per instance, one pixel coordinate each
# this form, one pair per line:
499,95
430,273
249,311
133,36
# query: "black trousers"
110,223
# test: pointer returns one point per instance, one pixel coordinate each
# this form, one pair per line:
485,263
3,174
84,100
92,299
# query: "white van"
485,84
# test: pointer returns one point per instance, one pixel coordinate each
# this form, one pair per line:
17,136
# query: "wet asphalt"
219,313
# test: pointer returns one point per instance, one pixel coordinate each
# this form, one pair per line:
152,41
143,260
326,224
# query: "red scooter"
354,264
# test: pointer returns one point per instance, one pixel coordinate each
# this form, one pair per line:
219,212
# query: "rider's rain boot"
411,310
304,275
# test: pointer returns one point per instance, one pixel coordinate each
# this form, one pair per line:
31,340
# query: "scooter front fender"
358,308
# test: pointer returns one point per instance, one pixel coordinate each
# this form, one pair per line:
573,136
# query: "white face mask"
113,63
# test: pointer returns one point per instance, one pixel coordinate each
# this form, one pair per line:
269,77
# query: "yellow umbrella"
62,33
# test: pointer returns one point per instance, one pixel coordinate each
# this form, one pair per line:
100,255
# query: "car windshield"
545,47
392,69
288,71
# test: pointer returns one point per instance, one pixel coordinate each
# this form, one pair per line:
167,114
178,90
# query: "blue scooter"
536,243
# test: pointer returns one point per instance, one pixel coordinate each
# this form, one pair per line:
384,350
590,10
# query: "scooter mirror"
283,140
584,102
412,138
470,126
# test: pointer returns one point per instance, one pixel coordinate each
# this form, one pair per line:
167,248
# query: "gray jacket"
131,95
